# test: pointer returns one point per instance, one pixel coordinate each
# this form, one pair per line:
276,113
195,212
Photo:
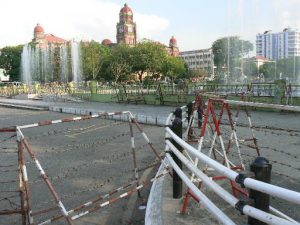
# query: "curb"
153,214
79,111
24,107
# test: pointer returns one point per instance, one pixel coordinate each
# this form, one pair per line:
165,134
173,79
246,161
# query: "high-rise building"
126,28
279,45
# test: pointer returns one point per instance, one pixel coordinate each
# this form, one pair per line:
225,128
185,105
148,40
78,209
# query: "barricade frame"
241,179
25,195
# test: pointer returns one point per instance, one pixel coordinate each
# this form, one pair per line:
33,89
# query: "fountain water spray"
48,63
76,62
26,65
64,66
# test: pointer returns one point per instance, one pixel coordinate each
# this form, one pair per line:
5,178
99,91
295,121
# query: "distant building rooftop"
195,51
54,39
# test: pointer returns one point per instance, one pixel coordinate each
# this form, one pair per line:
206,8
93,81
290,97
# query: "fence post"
189,110
262,171
177,129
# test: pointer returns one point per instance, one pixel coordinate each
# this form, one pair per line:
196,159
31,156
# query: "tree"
196,74
228,52
288,68
268,70
10,61
147,57
118,63
93,56
173,67
250,69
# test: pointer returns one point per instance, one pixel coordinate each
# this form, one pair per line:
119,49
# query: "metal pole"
262,170
136,174
26,183
21,184
48,182
177,129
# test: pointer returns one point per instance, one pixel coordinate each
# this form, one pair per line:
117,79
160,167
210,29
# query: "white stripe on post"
39,167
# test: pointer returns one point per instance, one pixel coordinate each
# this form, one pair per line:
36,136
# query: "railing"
254,89
173,145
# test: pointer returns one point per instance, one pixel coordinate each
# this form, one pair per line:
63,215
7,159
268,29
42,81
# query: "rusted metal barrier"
27,209
259,212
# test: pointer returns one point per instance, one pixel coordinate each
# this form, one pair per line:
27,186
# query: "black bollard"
262,170
178,113
189,110
177,129
200,114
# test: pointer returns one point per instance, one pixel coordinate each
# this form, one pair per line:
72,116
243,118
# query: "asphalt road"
93,157
83,160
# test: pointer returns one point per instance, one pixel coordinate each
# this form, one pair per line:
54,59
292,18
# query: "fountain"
76,62
64,67
50,63
26,64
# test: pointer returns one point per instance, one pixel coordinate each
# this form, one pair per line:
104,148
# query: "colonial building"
126,34
126,28
199,59
173,49
42,39
106,42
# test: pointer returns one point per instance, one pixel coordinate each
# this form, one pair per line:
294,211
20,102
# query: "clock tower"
126,28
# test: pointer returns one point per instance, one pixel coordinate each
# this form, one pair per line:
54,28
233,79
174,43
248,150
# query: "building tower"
126,28
38,34
173,48
280,45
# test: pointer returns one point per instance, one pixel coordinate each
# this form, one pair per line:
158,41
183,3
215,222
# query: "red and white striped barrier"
24,189
265,105
106,203
45,178
71,119
226,171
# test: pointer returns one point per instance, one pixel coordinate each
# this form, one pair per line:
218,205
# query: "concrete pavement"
149,114
278,137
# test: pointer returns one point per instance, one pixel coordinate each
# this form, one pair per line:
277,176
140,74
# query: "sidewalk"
149,114
163,209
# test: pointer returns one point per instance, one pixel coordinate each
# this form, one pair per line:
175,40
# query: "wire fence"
220,152
68,168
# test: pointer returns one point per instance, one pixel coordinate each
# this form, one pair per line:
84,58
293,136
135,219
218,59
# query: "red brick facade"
126,28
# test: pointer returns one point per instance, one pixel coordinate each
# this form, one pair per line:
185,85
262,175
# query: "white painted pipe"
283,193
264,105
261,215
204,158
210,206
282,215
210,183
273,190
247,210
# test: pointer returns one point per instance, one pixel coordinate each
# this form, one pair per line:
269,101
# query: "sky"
196,24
